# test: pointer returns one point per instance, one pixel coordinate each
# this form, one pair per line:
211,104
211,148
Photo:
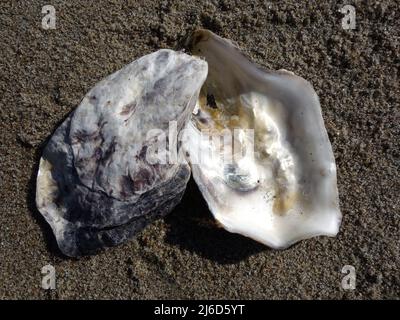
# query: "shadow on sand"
191,226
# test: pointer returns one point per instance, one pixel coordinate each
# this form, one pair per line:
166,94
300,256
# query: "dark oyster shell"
95,186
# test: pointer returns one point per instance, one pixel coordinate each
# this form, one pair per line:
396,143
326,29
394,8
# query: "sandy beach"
45,73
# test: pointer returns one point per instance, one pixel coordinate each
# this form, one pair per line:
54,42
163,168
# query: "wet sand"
45,73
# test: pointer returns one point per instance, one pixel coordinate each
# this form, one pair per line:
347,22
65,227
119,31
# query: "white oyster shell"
95,186
287,190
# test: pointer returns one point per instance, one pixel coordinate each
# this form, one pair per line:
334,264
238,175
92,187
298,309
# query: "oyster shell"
95,185
285,190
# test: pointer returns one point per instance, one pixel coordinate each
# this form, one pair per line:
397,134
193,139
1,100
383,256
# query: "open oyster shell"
285,190
256,143
95,186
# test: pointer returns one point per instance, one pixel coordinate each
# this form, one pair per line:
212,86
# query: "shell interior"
276,180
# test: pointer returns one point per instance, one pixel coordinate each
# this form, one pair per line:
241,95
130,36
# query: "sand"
45,73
